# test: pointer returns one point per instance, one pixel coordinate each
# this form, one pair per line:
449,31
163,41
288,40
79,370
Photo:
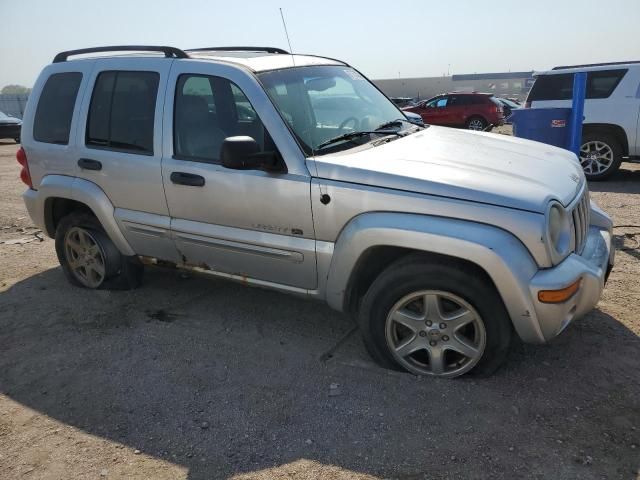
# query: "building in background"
505,84
13,104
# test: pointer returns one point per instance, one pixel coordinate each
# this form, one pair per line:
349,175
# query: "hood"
10,120
475,166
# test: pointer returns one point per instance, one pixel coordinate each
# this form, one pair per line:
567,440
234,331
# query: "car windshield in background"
509,103
323,102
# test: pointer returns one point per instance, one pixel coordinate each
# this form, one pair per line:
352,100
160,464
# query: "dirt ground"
195,378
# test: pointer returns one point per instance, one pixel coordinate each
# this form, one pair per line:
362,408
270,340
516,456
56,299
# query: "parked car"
414,118
610,130
403,101
474,111
443,244
508,107
10,127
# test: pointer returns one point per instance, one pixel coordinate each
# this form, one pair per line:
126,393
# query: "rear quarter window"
52,123
552,87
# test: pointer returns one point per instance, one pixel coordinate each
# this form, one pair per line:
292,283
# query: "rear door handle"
189,179
89,164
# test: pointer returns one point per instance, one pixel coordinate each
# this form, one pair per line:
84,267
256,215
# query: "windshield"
509,103
320,103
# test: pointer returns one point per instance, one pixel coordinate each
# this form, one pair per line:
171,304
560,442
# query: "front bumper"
592,268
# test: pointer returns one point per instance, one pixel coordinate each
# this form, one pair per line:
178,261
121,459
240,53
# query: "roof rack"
170,52
564,67
239,49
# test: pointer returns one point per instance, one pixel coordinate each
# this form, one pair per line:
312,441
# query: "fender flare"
90,194
500,254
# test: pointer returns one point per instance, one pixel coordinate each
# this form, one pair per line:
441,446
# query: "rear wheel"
89,258
600,155
476,123
435,319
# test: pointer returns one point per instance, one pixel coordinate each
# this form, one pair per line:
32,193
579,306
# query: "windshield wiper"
397,121
351,135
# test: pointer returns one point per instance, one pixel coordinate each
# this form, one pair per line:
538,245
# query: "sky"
383,39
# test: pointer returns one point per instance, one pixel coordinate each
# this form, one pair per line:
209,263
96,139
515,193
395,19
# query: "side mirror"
240,153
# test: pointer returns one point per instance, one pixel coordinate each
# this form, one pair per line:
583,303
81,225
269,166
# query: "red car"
475,111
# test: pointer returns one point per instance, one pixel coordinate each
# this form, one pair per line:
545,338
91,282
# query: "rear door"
120,148
455,110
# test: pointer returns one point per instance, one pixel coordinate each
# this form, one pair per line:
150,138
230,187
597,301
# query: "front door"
251,224
435,111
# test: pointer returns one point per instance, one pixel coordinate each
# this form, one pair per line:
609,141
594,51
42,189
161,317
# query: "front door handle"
89,164
189,179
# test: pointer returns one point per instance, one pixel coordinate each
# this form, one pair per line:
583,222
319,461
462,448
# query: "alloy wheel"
435,333
596,157
85,257
476,124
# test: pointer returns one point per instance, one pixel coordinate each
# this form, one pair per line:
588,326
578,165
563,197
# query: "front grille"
581,219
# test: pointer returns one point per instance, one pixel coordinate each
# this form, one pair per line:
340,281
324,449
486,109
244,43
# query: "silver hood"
475,166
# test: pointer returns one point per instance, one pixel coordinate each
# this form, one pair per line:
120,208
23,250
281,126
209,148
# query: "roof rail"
239,49
170,52
564,67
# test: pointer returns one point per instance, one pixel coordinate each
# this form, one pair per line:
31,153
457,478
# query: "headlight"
558,232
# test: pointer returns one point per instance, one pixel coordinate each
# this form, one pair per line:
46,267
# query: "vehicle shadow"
226,380
624,180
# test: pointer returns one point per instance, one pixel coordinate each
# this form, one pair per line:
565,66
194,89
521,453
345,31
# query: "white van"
612,108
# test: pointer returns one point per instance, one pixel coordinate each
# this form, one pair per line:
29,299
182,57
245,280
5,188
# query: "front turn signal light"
559,296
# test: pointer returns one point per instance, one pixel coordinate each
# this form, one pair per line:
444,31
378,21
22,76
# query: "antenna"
324,198
284,24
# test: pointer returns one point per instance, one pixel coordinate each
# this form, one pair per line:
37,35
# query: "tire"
476,123
600,155
97,264
453,285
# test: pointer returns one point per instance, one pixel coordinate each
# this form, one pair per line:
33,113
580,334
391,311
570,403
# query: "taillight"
25,176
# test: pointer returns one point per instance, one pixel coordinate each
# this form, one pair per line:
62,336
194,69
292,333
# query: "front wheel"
435,319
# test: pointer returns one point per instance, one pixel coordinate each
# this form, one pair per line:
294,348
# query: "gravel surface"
189,377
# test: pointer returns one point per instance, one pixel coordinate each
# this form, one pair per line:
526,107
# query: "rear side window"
52,122
458,100
122,111
600,84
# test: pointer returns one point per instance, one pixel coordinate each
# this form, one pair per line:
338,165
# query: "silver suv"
294,172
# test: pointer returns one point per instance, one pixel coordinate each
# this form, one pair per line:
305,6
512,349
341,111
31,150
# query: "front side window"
52,123
436,102
122,111
320,103
209,109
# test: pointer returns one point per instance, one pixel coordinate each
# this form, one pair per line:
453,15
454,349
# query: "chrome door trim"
241,247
